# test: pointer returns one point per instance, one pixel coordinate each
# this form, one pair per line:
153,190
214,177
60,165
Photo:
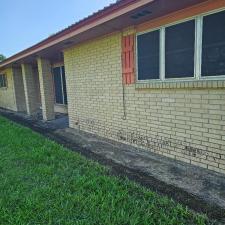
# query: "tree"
2,57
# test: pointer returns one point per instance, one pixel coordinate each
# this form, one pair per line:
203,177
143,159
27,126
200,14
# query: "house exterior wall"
7,94
46,88
30,88
183,121
37,87
13,97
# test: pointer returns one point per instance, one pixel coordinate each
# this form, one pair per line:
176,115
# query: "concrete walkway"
203,183
61,120
200,189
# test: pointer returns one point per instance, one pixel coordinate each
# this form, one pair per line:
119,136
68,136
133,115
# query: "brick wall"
182,121
7,96
37,86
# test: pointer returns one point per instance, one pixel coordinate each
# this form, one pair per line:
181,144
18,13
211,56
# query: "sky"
24,23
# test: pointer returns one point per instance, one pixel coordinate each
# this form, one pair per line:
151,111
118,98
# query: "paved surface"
200,189
208,185
61,120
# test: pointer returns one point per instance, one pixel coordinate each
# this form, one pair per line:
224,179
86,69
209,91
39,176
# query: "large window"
179,50
213,45
193,49
3,82
148,55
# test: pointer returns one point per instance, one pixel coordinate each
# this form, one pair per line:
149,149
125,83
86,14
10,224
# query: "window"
179,50
3,82
213,45
193,49
60,85
148,55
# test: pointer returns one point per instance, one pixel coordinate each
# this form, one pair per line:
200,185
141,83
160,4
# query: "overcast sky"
26,22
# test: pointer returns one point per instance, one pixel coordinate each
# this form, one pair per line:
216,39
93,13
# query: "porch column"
29,88
19,89
46,88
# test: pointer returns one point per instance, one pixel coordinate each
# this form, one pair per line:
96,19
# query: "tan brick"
30,88
199,164
219,170
184,114
46,88
19,89
7,96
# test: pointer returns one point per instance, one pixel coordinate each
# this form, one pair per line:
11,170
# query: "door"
60,85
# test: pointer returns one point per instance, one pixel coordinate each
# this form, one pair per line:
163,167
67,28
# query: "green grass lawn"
43,183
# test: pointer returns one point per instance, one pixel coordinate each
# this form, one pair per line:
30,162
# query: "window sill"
3,88
195,84
61,105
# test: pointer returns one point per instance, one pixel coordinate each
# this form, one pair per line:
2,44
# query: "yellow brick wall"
185,123
7,96
46,89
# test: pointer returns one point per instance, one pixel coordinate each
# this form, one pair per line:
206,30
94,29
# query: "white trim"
148,31
54,65
198,48
162,64
215,77
62,105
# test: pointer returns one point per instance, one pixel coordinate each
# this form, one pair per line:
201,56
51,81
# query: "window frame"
174,24
197,50
136,53
5,81
62,88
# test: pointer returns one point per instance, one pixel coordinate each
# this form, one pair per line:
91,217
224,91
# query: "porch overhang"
122,14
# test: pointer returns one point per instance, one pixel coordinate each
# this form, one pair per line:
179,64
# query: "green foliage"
2,57
43,183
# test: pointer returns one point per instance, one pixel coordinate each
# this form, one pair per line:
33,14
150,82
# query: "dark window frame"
3,80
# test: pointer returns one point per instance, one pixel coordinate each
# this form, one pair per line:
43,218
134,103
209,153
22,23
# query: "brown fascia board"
108,13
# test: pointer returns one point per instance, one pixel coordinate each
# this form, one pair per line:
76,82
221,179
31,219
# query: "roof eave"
103,16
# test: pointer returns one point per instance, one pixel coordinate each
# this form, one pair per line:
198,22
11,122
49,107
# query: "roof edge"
117,6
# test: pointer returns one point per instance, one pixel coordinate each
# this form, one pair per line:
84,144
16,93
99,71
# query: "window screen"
213,45
180,45
2,80
148,55
58,85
